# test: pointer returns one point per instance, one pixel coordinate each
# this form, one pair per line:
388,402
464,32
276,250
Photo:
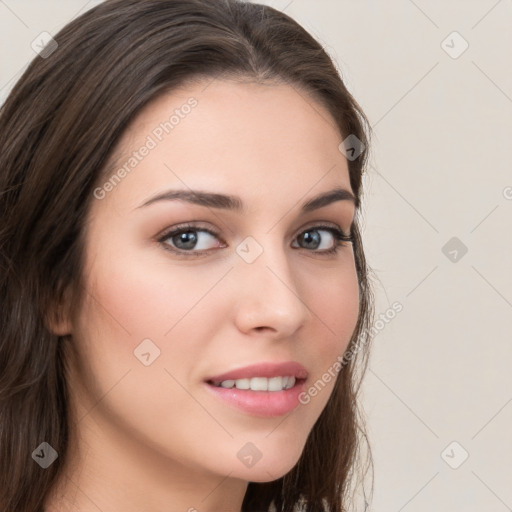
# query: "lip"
264,404
286,369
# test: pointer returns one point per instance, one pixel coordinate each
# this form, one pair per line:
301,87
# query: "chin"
270,469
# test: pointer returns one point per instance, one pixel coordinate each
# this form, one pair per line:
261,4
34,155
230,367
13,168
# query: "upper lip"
286,369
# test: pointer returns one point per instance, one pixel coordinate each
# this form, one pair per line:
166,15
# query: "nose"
268,296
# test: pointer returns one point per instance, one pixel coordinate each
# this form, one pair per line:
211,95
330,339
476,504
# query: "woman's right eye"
188,239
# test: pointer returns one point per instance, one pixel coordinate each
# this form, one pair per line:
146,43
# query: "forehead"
238,137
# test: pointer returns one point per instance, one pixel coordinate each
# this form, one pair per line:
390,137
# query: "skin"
151,437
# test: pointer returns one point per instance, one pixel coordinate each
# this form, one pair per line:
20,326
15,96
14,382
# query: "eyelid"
163,235
325,224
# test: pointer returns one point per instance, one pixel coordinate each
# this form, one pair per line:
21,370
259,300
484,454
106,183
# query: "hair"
58,130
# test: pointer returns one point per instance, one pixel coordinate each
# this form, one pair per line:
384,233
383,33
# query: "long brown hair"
58,129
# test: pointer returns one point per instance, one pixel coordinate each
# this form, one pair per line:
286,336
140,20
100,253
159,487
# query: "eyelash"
341,239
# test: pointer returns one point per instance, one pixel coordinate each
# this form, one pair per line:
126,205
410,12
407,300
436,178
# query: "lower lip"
261,403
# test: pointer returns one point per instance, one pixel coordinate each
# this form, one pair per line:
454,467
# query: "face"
182,296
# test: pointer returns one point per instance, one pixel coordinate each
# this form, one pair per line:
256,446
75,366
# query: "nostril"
262,328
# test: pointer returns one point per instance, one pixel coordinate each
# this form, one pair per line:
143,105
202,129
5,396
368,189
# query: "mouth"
265,389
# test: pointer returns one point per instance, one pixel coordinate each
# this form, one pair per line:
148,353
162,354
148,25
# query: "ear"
58,318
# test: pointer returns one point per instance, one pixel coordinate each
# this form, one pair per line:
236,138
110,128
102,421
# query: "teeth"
290,383
243,383
275,384
259,383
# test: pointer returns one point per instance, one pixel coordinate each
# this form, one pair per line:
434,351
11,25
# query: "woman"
185,302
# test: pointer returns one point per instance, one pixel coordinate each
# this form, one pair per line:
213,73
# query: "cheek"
336,309
131,301
336,304
146,299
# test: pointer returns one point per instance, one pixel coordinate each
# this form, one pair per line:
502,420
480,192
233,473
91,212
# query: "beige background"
441,168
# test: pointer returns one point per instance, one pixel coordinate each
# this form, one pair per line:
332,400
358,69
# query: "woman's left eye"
185,240
311,236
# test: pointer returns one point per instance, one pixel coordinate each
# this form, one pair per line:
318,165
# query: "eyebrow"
234,203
